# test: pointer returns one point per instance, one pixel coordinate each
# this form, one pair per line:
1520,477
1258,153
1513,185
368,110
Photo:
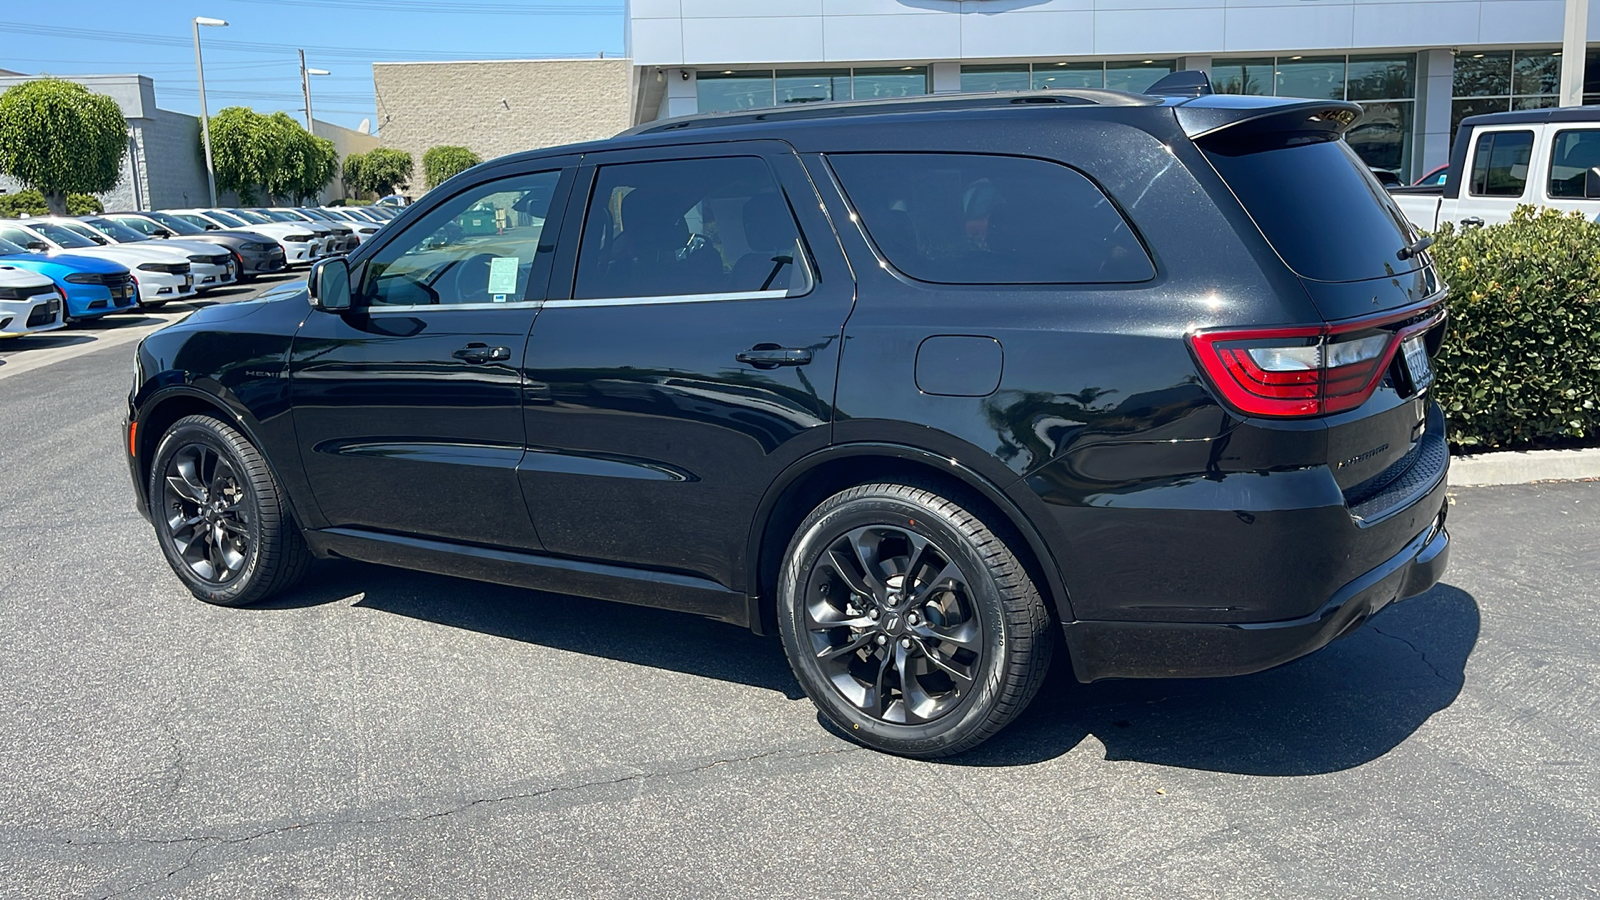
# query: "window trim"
888,264
1472,157
565,171
1550,168
591,173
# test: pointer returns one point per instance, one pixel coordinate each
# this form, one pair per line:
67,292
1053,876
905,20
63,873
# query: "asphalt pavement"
387,734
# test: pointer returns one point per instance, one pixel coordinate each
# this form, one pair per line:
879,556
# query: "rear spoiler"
1243,116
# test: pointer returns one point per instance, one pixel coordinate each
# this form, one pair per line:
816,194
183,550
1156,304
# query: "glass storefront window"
1243,76
1066,75
1136,76
1500,80
1383,136
1381,77
1316,78
994,78
811,87
1536,73
733,91
1474,106
901,81
1485,74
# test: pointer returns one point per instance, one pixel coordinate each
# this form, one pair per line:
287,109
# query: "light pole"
205,117
305,85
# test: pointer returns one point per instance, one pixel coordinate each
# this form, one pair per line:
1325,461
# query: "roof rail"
922,103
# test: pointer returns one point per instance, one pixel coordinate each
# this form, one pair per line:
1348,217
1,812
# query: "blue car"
93,287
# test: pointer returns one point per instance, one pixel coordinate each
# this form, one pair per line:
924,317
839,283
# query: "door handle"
766,356
482,353
1472,222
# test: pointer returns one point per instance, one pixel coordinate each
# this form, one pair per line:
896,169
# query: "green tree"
442,163
353,175
244,154
306,163
57,138
384,169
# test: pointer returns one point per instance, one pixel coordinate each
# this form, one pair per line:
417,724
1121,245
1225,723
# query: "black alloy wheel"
220,516
911,624
207,517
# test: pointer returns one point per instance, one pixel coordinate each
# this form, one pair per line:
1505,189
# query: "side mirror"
329,285
38,246
212,227
162,233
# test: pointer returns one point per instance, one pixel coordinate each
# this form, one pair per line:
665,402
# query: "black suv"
926,387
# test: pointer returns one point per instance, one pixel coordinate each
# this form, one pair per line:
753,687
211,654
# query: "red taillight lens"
1307,371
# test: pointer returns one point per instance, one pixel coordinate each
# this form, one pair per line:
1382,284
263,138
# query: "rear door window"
1575,165
962,218
689,227
1500,164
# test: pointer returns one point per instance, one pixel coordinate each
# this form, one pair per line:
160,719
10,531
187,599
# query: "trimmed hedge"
31,203
1520,365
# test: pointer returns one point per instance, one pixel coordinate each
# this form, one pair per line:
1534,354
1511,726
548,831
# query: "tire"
927,672
221,517
152,304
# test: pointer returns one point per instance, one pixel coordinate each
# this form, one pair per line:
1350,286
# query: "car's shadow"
1345,705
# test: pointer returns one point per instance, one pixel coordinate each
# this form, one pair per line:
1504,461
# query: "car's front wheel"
909,622
221,517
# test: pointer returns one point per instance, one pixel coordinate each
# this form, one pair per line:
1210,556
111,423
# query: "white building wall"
778,32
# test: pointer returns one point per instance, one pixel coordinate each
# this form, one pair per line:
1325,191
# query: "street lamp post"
305,85
1574,51
205,117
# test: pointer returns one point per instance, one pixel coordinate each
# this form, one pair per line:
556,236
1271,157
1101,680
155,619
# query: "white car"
332,242
301,246
161,275
213,266
365,229
29,302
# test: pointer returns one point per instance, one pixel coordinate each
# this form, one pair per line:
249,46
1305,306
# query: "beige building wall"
498,107
345,142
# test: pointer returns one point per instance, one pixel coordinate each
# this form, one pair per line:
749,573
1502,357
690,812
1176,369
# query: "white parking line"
30,352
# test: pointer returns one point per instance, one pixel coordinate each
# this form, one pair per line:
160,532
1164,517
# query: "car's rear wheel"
221,517
909,622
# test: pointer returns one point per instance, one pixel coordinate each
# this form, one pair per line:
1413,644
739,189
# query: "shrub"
32,203
1520,365
442,163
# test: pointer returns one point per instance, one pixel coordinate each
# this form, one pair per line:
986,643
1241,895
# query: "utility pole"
205,117
1574,51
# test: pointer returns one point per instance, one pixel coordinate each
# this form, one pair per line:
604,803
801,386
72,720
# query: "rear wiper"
1412,249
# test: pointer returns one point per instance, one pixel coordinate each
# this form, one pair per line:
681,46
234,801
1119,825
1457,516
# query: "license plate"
121,293
188,282
1418,366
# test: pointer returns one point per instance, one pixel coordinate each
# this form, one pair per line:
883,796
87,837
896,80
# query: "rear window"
1317,205
956,218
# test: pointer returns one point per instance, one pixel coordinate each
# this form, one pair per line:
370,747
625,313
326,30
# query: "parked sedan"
29,302
159,275
358,229
300,246
212,266
92,287
332,240
254,253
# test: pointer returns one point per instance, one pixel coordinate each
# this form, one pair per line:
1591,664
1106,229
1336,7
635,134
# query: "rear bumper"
1102,649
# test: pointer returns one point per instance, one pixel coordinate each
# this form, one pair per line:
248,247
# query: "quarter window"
1500,163
478,247
1575,165
689,227
980,219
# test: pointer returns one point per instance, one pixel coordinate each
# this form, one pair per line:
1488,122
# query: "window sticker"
503,277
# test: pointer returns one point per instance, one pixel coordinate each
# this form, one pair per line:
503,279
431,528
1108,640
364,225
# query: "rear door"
1571,177
688,356
1499,175
408,406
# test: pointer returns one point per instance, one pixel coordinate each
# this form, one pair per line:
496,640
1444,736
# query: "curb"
1524,467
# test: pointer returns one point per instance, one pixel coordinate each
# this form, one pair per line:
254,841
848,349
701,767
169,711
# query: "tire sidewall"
819,530
183,435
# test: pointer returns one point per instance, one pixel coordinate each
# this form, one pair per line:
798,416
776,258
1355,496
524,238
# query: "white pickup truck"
1544,157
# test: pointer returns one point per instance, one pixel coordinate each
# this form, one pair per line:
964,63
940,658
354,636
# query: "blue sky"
154,37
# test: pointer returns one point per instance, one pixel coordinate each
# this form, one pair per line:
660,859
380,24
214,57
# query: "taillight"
1308,371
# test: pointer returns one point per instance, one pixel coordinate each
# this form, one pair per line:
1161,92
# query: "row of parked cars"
55,269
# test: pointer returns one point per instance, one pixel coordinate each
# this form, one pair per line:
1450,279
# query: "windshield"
9,249
318,214
83,230
280,216
251,218
117,231
225,219
63,237
174,224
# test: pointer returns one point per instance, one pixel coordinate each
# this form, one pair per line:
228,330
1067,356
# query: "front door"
690,360
409,406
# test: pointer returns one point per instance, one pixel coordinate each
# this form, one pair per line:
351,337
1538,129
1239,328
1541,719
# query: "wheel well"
154,424
829,478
